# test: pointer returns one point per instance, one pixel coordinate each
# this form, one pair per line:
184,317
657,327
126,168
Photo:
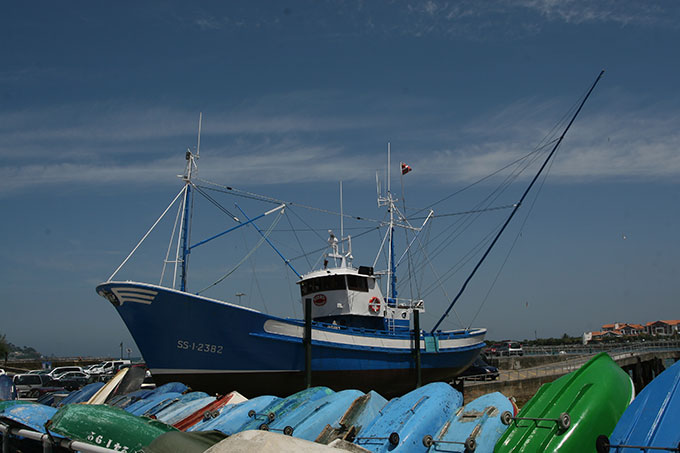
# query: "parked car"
508,348
492,350
56,372
28,385
110,367
480,371
72,380
2,372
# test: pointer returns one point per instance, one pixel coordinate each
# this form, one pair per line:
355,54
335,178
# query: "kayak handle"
470,443
563,422
270,416
602,445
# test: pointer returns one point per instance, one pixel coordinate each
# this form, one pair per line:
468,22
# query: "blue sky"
98,103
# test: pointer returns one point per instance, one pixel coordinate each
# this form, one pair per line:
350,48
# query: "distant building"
622,329
662,327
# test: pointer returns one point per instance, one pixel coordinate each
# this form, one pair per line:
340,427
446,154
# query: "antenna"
198,145
342,220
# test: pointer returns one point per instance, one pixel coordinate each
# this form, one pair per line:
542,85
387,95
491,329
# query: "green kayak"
108,427
569,413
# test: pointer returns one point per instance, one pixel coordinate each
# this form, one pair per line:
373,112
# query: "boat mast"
517,205
188,205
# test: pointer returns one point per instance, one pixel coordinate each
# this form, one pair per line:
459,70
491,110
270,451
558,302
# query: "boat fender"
374,305
288,430
394,439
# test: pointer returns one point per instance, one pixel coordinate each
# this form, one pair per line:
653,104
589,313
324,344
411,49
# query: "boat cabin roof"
363,271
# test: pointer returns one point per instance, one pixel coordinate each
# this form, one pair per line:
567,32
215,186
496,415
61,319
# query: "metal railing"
582,355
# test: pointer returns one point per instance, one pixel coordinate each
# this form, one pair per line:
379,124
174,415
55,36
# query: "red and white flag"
405,168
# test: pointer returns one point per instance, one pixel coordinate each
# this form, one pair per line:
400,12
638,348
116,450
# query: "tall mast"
186,219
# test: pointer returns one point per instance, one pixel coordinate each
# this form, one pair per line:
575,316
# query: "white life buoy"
374,305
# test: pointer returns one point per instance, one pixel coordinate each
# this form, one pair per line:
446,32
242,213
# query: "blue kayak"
180,401
187,404
403,423
149,403
475,427
362,411
7,389
652,419
32,416
282,407
233,416
81,395
308,420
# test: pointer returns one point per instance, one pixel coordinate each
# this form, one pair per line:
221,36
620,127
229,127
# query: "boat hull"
216,346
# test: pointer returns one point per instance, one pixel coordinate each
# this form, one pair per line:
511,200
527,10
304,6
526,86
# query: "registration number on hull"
199,347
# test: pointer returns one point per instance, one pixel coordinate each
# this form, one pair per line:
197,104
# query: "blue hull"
232,417
220,347
479,420
652,418
404,421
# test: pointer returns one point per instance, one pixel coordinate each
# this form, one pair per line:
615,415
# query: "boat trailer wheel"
563,422
602,445
264,427
288,430
470,443
394,439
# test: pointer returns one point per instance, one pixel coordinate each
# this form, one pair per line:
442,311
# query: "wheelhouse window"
357,283
319,284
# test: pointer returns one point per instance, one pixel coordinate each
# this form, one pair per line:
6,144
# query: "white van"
111,366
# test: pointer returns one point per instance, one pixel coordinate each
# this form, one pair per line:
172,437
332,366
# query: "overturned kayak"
568,414
362,411
107,427
652,419
475,427
209,411
307,421
232,417
403,422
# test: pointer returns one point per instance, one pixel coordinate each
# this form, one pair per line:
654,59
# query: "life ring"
374,305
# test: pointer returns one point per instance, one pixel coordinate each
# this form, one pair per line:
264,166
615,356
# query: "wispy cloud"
498,19
114,146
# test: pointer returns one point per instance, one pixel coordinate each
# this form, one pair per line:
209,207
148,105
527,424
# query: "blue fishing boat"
650,423
362,412
233,417
403,423
477,426
308,420
357,326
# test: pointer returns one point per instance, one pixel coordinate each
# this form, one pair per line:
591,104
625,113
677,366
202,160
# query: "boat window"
357,283
319,284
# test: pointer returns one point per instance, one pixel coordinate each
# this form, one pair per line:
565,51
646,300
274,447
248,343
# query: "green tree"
4,347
